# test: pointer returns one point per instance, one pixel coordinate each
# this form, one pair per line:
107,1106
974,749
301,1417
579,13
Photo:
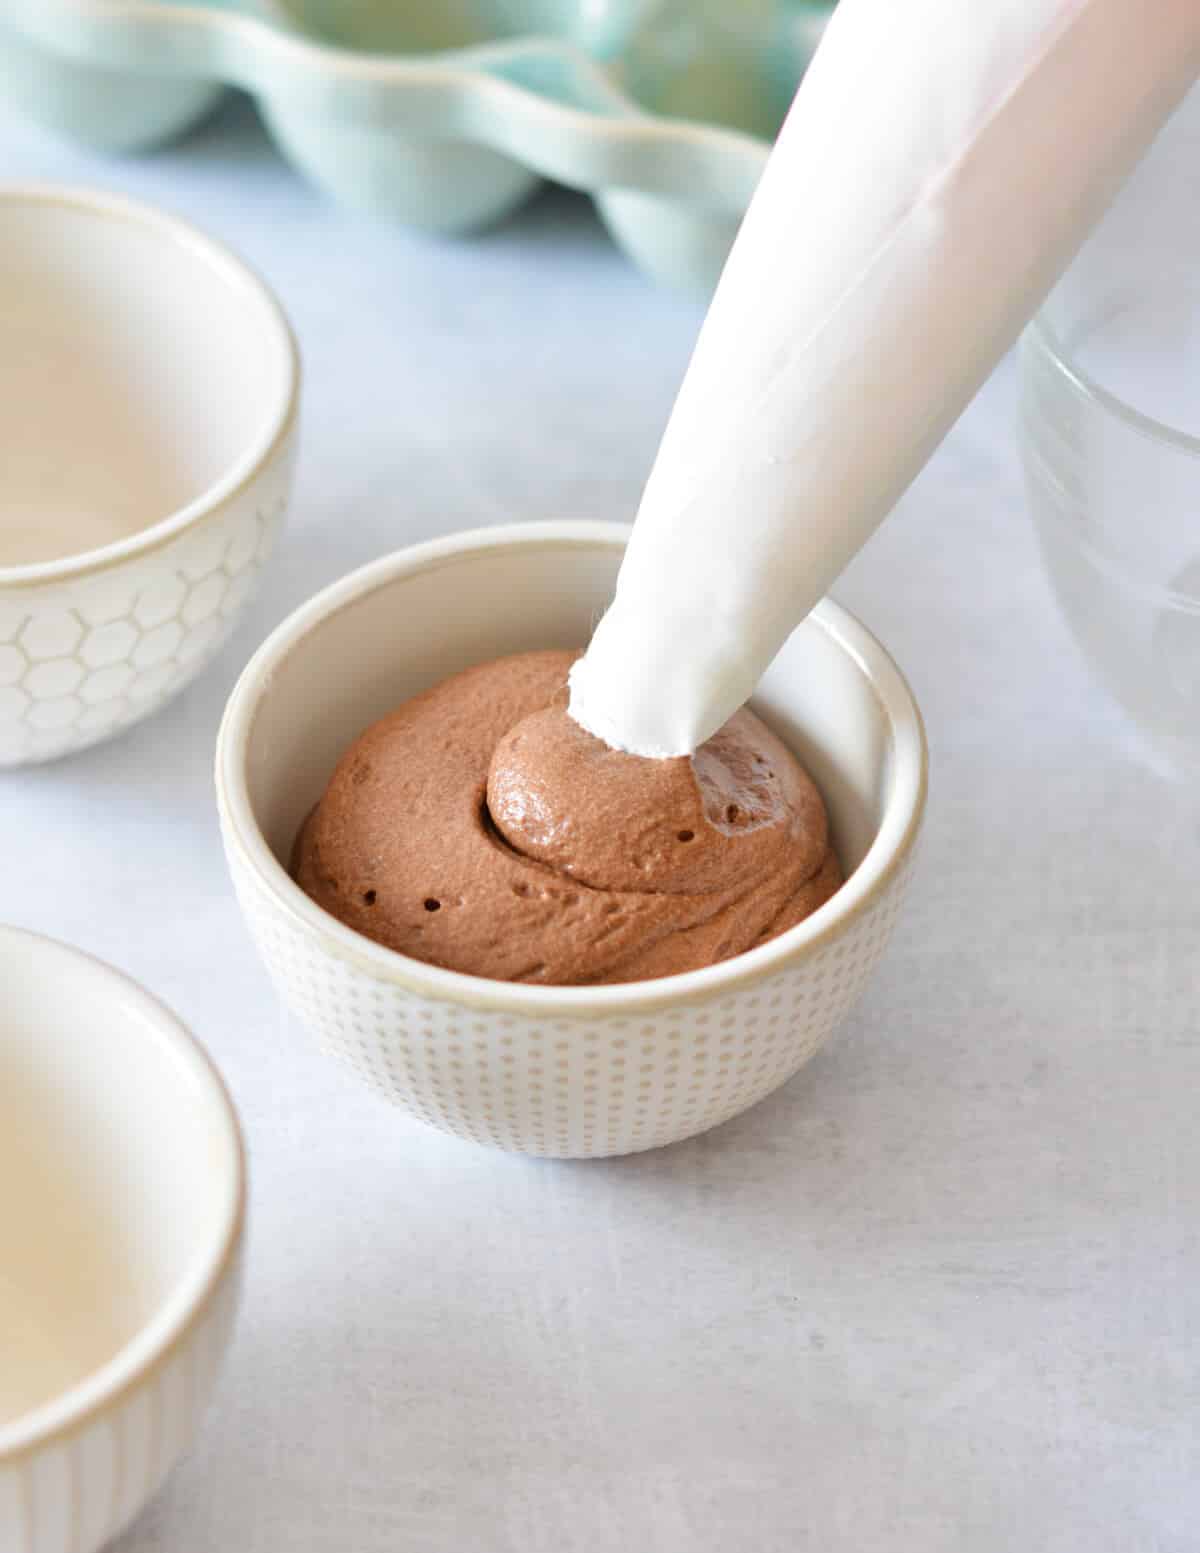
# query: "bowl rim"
1042,336
175,234
176,1316
894,839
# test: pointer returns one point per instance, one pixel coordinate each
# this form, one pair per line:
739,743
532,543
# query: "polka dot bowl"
559,1071
148,390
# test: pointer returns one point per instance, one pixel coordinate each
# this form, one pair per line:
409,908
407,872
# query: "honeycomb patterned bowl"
446,114
148,392
563,1071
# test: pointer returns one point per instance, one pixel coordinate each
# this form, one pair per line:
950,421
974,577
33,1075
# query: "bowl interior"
119,1170
411,629
139,365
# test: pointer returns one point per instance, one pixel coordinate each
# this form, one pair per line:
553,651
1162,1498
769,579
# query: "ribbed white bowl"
564,1071
122,1196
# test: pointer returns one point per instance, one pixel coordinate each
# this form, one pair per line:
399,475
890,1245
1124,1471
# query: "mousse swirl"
477,827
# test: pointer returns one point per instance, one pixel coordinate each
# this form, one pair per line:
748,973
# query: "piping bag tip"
637,691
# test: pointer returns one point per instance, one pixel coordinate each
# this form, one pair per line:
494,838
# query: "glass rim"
1043,333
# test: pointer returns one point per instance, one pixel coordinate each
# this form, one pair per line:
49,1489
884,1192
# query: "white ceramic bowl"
148,393
122,1201
567,1071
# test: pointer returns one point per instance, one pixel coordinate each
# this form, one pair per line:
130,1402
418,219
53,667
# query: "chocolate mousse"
478,827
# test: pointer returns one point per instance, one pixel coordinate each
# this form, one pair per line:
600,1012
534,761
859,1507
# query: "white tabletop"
938,1293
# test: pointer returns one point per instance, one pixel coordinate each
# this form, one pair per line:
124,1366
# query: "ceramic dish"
122,1196
447,115
567,1071
148,391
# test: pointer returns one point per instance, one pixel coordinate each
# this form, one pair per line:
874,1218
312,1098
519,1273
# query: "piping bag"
940,165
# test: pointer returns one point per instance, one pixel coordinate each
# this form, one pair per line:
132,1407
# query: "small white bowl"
122,1200
148,391
564,1071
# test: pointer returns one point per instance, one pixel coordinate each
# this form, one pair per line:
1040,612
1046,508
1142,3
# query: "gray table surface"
938,1293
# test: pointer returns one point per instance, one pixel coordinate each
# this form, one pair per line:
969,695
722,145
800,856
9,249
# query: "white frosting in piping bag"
941,163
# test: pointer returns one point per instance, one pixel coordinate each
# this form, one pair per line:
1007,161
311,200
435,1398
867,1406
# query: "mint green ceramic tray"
445,114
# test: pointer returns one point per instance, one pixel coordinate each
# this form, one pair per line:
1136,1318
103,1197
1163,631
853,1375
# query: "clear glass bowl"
1110,414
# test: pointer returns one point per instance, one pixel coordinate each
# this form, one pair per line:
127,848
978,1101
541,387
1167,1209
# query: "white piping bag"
940,165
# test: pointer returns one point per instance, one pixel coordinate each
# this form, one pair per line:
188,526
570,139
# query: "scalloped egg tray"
446,114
